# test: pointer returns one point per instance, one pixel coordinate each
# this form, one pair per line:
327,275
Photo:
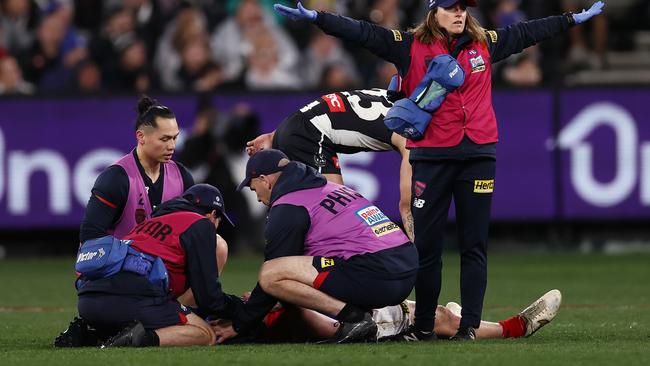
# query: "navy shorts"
369,281
116,311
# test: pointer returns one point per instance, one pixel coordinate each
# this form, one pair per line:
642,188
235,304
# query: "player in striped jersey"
344,122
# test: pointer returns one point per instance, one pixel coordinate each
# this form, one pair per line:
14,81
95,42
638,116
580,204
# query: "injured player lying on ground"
289,324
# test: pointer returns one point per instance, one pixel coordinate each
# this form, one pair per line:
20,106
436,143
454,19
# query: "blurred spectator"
149,23
19,20
11,78
265,69
326,52
189,26
133,73
232,41
584,52
50,61
386,13
88,15
106,47
383,73
302,32
88,78
216,140
521,69
198,73
73,45
337,77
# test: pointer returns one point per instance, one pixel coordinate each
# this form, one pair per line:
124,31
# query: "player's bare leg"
187,298
541,312
196,332
222,253
334,178
447,325
290,279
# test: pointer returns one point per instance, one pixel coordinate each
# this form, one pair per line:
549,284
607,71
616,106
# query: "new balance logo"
418,203
410,338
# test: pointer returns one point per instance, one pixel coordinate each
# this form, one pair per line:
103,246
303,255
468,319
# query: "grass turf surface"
604,318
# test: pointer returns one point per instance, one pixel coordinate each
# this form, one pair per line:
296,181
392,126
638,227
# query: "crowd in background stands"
93,46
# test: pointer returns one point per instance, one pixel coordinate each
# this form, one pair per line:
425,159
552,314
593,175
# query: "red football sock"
513,327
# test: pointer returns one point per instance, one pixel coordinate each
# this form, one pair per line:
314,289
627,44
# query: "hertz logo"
385,228
484,186
397,35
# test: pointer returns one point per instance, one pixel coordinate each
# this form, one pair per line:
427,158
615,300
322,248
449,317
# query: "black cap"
448,3
207,196
264,162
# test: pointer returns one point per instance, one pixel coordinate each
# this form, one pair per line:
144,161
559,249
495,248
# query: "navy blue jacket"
112,185
395,46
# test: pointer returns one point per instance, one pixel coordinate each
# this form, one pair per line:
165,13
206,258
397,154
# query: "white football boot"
541,312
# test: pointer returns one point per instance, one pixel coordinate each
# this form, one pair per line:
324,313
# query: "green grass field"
604,319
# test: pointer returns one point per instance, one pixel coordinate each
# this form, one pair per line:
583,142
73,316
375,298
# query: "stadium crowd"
92,46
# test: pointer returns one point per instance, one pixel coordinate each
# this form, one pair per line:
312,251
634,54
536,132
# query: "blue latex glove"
296,14
394,91
585,15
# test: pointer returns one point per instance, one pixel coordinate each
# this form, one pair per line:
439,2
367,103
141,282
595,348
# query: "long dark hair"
148,110
430,31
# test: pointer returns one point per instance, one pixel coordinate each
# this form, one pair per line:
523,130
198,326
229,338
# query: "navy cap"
207,196
448,3
263,162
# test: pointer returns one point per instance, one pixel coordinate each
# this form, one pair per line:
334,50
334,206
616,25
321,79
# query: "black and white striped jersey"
352,120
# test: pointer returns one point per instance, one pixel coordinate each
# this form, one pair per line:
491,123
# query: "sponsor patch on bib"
372,215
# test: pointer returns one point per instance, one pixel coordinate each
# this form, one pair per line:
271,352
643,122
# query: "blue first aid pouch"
147,265
101,257
409,117
108,255
406,119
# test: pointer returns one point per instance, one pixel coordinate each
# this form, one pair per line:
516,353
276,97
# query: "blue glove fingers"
309,14
597,7
585,15
395,83
295,14
286,11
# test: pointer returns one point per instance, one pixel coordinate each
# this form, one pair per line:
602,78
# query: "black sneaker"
78,334
363,331
410,334
464,334
131,336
